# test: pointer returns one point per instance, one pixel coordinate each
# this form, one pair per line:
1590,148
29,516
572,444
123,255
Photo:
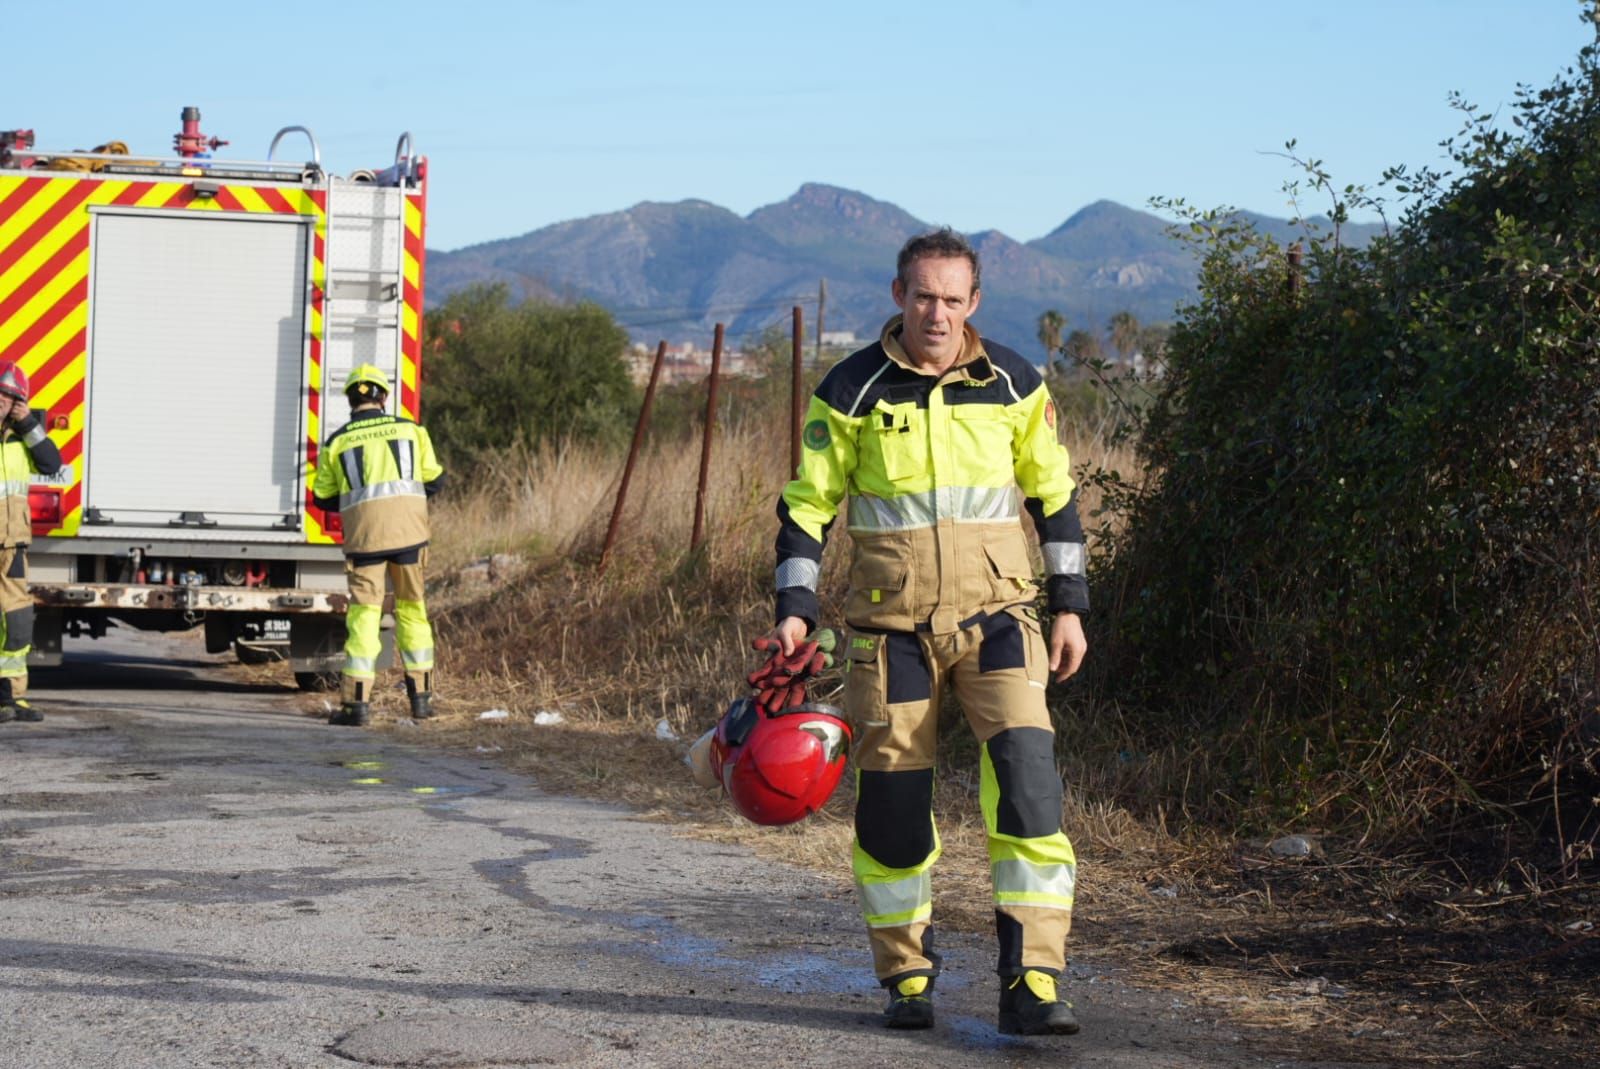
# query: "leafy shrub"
1360,577
502,375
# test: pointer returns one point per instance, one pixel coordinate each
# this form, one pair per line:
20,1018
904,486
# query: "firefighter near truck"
186,324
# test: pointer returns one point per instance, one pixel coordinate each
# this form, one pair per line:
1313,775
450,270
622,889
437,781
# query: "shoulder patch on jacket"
816,435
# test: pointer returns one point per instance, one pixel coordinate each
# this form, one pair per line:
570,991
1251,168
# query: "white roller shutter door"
197,355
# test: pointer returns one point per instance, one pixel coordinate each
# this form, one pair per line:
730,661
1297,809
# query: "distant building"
684,362
838,339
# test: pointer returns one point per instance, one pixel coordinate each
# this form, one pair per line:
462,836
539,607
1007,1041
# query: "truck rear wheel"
316,651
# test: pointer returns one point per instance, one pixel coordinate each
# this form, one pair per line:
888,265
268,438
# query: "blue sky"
1010,114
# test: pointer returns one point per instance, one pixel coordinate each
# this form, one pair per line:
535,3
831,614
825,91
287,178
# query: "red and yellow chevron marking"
411,324
316,522
44,289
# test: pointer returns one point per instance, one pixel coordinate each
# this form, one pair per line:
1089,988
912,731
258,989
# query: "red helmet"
13,381
780,767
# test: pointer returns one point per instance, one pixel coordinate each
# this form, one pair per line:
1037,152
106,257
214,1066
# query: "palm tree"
1124,329
1051,326
1081,346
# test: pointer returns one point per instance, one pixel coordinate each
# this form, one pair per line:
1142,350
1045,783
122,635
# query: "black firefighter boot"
14,708
421,700
354,711
351,715
910,1003
1029,1006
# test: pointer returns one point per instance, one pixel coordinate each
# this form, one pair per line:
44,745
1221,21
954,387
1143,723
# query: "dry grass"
556,501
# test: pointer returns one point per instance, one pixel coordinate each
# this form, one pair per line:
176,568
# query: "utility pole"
822,302
796,384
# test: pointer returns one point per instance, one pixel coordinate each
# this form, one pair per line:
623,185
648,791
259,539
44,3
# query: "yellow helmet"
367,382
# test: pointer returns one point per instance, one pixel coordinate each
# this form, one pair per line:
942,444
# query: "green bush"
1359,578
500,375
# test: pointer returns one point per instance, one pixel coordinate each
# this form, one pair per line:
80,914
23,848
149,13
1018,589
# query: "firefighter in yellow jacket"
24,450
926,436
378,472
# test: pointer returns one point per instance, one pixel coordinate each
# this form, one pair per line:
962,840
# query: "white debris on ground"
546,717
664,731
699,761
495,569
493,714
1290,846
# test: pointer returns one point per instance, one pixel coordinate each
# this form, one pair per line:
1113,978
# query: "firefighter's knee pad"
1019,768
894,817
19,628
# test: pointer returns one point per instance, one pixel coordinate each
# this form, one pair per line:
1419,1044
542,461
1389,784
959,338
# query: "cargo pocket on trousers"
864,700
1036,655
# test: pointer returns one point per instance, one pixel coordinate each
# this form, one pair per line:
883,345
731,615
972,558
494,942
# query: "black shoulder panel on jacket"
845,380
381,418
1024,376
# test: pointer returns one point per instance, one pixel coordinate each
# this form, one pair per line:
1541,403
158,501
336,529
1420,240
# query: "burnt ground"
1357,957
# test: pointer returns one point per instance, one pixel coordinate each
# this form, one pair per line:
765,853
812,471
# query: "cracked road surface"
193,874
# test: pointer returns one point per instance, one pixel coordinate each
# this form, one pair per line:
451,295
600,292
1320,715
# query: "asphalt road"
194,874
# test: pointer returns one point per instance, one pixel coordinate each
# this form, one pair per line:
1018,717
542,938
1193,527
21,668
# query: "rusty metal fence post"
698,534
633,455
797,402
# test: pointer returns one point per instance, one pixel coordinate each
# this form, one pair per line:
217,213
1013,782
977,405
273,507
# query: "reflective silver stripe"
961,503
857,402
351,459
1016,877
395,488
14,487
885,905
360,666
35,436
404,456
1063,558
1010,385
798,571
417,658
14,663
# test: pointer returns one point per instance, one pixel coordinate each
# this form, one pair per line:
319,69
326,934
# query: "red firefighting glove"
780,683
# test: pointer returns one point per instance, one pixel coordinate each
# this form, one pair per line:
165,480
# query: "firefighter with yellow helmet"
927,435
377,472
24,450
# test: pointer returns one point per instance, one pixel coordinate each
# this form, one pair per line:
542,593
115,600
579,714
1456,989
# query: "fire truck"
187,323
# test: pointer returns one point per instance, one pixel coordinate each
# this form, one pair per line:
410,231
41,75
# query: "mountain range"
672,270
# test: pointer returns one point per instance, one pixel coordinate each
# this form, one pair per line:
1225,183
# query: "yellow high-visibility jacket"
929,471
378,471
24,450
